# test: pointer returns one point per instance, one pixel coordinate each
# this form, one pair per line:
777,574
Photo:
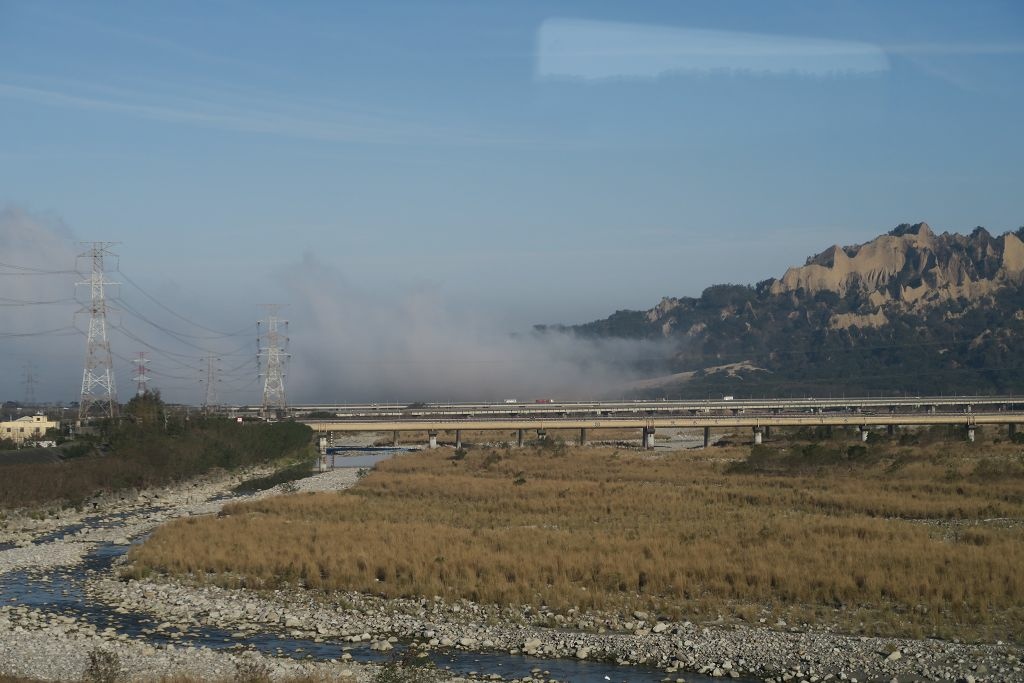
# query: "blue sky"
520,162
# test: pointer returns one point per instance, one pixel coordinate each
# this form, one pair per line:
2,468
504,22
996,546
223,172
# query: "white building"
28,428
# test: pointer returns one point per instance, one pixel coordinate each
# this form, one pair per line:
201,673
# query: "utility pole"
30,384
272,353
210,400
99,394
140,373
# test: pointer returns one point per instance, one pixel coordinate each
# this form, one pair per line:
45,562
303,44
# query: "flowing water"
60,591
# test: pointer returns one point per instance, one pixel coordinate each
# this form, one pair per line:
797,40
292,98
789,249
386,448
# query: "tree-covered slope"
908,312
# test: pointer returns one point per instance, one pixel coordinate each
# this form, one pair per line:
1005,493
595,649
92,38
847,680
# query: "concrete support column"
767,431
542,434
970,433
707,437
520,439
583,436
458,439
394,438
890,430
323,453
1011,429
432,436
758,436
649,438
864,434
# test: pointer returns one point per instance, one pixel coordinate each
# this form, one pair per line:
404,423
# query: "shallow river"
60,591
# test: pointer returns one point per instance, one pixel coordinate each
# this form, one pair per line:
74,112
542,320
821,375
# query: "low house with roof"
27,428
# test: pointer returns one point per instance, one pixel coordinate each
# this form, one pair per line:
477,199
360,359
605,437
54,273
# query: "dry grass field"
885,539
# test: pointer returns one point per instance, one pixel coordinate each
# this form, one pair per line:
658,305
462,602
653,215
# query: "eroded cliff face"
908,311
910,268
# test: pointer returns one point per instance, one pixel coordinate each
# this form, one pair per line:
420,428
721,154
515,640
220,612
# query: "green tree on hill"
146,409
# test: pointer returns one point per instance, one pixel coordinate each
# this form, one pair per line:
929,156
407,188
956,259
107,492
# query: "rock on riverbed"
45,645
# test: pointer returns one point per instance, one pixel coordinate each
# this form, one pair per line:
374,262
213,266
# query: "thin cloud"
324,124
598,50
950,49
44,13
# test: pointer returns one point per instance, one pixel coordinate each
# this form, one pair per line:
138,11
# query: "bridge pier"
864,433
648,438
520,438
542,434
432,439
1011,429
458,439
970,433
890,430
758,436
767,431
323,453
707,437
583,436
394,438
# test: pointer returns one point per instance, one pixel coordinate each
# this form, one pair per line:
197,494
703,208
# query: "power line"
171,333
29,270
217,333
6,301
57,331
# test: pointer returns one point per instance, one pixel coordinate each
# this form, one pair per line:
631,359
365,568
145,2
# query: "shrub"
252,670
104,667
407,668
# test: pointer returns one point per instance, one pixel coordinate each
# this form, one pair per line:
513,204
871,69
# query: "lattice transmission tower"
212,370
272,355
141,378
99,394
30,384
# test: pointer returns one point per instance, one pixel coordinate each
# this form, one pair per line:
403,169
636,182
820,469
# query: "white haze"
348,343
39,243
356,346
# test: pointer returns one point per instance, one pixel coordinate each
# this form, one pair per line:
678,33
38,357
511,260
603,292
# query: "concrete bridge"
647,417
545,407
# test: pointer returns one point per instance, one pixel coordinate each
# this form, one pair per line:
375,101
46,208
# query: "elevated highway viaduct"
758,421
549,408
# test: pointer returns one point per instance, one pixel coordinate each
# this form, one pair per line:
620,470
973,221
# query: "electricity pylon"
210,400
141,378
272,353
99,394
30,384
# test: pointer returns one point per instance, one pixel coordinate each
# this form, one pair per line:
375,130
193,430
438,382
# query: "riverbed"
61,599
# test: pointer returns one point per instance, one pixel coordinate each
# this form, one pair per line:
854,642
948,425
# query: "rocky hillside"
910,311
